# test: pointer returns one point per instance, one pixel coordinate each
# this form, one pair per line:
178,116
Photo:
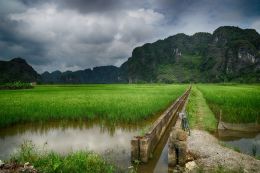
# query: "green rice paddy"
122,102
235,103
114,103
119,103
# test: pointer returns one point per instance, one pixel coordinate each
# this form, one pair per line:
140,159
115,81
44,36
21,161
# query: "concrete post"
135,149
172,156
144,149
177,148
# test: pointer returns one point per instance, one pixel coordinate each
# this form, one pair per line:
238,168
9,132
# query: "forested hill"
229,54
17,69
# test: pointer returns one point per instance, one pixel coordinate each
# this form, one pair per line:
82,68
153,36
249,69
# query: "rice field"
236,103
115,103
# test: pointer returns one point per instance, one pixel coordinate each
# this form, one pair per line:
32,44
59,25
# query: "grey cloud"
78,40
7,7
102,6
216,10
90,6
12,44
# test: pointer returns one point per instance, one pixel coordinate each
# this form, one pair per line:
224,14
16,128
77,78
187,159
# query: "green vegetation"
230,54
49,162
258,157
185,69
238,103
17,69
199,114
16,85
115,103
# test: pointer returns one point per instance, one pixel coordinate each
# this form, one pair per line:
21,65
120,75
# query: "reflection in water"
248,143
162,163
159,161
109,140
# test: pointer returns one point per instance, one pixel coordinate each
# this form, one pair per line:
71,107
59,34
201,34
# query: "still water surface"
245,142
111,141
65,137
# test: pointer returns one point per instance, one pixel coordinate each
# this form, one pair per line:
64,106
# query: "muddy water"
159,161
245,142
111,141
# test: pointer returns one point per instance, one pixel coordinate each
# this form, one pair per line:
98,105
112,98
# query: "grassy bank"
238,103
115,103
49,162
200,115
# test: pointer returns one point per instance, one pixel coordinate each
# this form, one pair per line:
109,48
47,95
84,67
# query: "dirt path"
210,154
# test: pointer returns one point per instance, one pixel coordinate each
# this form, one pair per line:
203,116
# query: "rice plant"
236,103
115,103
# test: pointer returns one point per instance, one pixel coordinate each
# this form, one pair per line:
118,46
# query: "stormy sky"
79,34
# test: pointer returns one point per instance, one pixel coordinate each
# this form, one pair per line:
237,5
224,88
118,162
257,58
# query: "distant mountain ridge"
17,69
102,74
230,54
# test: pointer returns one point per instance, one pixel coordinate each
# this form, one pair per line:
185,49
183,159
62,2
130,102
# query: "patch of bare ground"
210,155
16,168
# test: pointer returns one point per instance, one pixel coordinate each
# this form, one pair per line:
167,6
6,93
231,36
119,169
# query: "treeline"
16,85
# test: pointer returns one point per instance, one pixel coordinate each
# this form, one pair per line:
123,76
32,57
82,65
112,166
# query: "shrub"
16,85
49,162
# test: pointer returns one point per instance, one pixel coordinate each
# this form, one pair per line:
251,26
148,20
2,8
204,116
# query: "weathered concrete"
177,147
149,141
135,152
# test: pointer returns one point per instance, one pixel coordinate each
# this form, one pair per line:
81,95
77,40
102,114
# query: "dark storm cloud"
92,6
81,5
12,44
78,34
251,8
216,9
88,6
